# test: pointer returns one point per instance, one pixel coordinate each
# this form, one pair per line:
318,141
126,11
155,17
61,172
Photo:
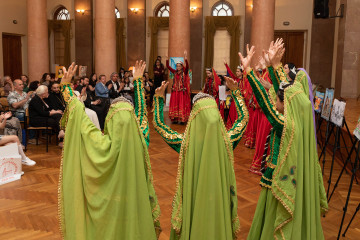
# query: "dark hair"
281,92
27,78
91,76
158,57
222,79
43,78
33,85
291,74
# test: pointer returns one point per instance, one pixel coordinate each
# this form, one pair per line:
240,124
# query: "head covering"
297,179
205,166
106,185
292,70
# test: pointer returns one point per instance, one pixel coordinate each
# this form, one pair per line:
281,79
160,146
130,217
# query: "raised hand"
68,74
225,62
7,115
262,63
266,58
231,83
276,51
266,84
246,61
185,54
139,69
161,90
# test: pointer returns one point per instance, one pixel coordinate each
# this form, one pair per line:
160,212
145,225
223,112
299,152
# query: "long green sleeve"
67,92
274,78
237,130
140,109
171,137
275,118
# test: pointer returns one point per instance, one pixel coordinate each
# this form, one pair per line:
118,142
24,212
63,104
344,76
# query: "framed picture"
59,72
337,113
357,130
318,102
328,100
82,71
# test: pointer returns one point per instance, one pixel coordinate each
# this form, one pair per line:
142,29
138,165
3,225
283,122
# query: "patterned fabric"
15,97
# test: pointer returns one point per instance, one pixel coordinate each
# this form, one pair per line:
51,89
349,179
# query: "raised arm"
168,67
275,118
139,101
236,132
171,137
66,89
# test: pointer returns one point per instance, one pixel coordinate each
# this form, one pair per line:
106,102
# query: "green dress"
205,202
106,186
293,195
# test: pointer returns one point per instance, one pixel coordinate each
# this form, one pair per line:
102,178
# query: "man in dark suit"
115,86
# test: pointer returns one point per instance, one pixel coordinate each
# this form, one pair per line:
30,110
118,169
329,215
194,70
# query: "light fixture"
192,9
134,10
82,11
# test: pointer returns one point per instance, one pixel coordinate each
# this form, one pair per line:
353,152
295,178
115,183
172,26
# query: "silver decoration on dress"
201,95
122,99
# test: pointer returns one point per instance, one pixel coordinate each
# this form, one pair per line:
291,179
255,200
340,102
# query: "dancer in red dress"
250,101
180,105
212,83
263,127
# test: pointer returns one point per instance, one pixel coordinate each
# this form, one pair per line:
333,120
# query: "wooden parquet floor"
28,207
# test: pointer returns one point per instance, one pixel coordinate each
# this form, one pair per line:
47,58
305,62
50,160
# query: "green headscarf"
297,179
205,202
106,185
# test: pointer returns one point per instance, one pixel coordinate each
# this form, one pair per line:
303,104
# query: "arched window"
62,14
222,8
117,13
162,10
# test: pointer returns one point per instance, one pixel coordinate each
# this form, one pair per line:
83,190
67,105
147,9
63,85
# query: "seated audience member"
92,82
94,103
25,80
45,79
121,73
5,140
53,78
8,85
55,100
115,86
79,84
41,115
91,114
101,89
19,100
33,86
128,90
148,86
12,126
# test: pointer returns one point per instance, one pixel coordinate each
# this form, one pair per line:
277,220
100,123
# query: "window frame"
158,9
229,5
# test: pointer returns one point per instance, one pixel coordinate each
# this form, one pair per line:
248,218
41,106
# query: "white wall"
9,11
299,14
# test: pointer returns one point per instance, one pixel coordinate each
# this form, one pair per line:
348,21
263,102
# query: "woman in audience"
5,140
149,87
46,79
159,73
128,90
8,85
13,126
106,189
205,202
42,115
25,80
33,86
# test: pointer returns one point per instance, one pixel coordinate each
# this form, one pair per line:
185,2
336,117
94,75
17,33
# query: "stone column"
105,37
179,28
38,41
263,21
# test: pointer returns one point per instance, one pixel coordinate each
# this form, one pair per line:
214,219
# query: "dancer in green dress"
205,202
106,186
292,196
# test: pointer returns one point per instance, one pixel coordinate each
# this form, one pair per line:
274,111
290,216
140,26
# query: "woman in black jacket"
41,115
